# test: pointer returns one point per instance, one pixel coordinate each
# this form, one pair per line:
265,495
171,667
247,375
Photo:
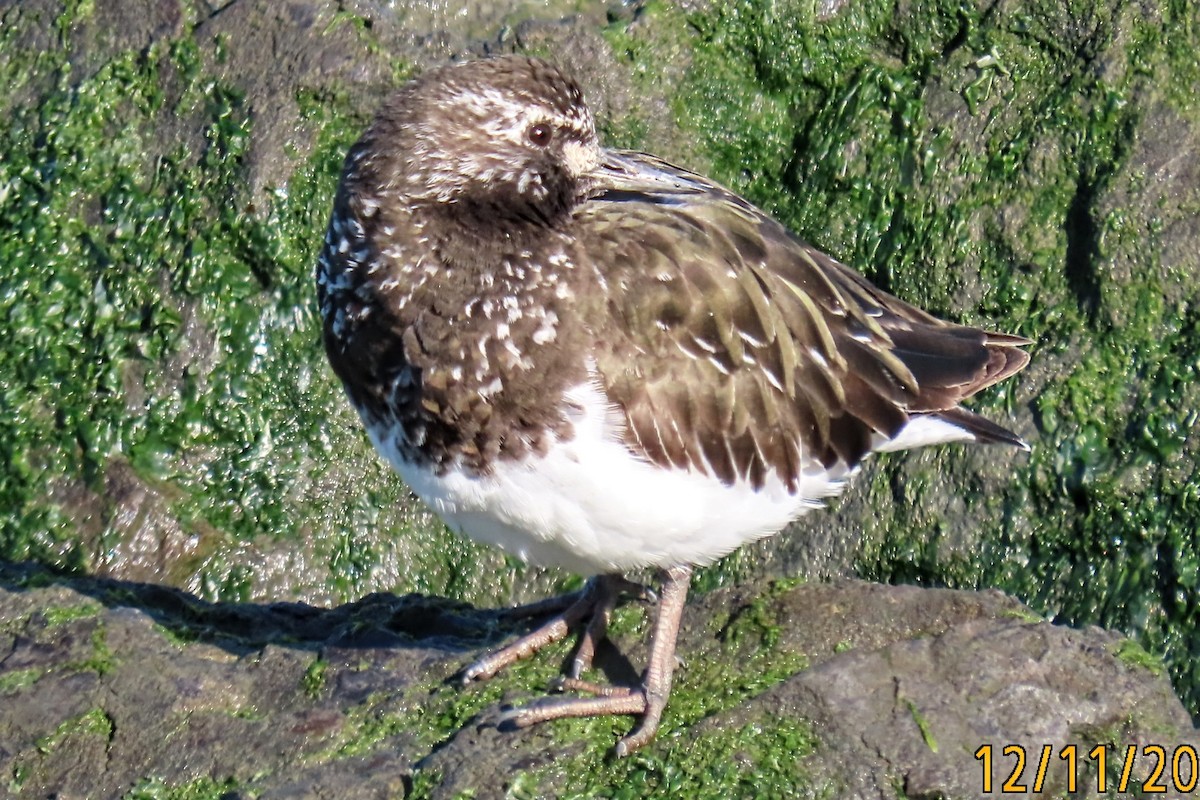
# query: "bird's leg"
596,631
597,599
649,699
609,590
656,685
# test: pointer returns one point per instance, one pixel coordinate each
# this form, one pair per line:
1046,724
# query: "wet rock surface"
127,687
110,686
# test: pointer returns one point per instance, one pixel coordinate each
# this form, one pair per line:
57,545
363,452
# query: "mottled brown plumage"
782,338
596,359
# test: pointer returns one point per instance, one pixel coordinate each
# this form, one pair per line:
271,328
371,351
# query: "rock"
915,714
169,421
110,686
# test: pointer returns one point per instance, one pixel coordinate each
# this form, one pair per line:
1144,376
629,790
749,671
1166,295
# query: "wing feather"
735,348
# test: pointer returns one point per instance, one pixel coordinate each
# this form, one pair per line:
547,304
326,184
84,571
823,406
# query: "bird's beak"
639,172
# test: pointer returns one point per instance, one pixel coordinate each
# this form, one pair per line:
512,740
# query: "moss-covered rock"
850,689
166,414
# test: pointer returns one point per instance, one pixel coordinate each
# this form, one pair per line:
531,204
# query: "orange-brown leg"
596,601
647,700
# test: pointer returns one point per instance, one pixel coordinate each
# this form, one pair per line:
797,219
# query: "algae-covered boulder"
850,689
167,420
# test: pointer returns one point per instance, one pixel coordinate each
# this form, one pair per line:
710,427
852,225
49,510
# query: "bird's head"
504,137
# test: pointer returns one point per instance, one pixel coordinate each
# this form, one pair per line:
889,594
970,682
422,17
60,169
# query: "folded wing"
735,348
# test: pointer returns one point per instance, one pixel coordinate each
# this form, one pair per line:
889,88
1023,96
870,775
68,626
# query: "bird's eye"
539,134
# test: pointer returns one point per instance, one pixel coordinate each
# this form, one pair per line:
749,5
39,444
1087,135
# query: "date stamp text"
1167,769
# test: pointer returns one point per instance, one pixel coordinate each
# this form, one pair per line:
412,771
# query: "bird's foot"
610,590
646,701
595,602
565,683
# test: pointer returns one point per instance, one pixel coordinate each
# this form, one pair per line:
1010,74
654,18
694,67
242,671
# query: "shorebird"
596,360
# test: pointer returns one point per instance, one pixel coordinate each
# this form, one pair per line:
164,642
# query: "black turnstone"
596,360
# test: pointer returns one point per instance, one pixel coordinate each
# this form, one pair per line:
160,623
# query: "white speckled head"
513,127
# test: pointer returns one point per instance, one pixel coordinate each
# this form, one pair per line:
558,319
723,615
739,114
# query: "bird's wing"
734,348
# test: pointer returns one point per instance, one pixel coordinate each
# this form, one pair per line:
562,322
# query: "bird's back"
735,348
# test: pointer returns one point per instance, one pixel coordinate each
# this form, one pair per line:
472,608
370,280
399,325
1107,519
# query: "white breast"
589,505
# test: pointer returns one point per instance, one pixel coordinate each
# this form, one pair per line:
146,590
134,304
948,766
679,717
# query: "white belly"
591,506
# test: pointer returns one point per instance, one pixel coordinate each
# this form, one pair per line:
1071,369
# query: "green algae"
61,615
431,712
741,657
160,323
87,306
895,140
364,728
423,784
313,682
199,789
16,680
101,660
159,317
94,722
761,759
1133,654
922,725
